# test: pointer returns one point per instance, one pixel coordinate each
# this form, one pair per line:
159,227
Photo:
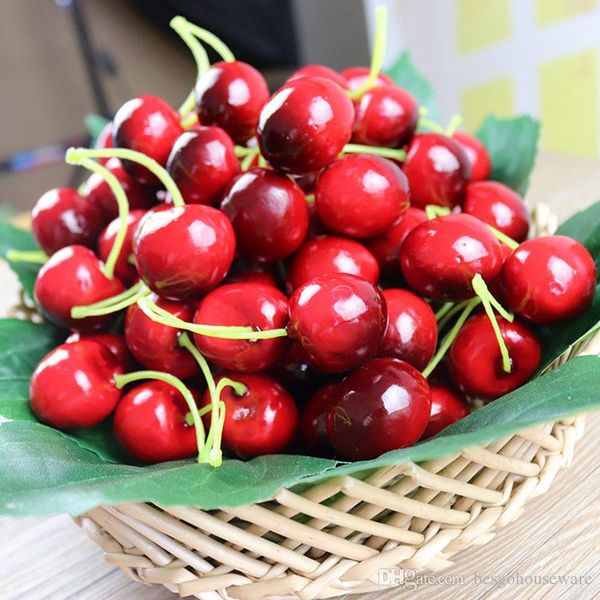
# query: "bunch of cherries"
298,253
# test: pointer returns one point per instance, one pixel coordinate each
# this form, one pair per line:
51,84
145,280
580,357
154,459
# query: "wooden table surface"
558,535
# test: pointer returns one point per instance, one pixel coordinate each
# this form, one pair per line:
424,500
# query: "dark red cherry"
411,332
295,373
269,214
312,71
183,252
338,320
263,420
149,125
437,169
440,257
479,159
386,247
150,423
475,362
361,195
383,405
357,76
497,205
73,276
231,95
307,181
313,422
549,279
243,305
305,125
156,346
330,254
61,217
202,163
113,341
244,272
124,270
387,116
105,140
447,408
73,386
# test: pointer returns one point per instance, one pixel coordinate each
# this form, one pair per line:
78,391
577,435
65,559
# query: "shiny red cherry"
156,346
497,205
113,341
313,422
149,125
73,276
269,214
411,333
338,320
387,116
202,163
295,373
447,408
124,270
437,169
330,254
244,272
312,71
243,305
475,362
361,195
263,420
105,140
440,257
73,386
307,181
183,252
150,423
61,217
357,76
549,279
386,247
305,125
479,159
231,95
383,405
95,187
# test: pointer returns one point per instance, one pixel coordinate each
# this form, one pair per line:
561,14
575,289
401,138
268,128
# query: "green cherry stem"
457,308
136,157
431,125
241,151
180,23
433,211
122,380
310,198
113,304
502,237
453,125
38,257
399,155
249,159
446,307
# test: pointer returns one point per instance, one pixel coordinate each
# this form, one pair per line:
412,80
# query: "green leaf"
512,145
12,238
584,226
94,125
404,74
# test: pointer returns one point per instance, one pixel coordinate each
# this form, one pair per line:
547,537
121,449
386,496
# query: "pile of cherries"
307,253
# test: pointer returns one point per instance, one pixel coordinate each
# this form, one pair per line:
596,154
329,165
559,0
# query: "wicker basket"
337,536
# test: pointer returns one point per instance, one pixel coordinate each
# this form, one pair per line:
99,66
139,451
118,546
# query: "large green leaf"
18,239
585,227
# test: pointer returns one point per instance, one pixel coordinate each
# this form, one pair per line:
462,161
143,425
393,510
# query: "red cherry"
383,405
312,71
411,333
386,247
361,195
437,169
338,320
497,205
242,272
447,407
261,421
149,125
61,217
156,346
440,257
549,279
307,181
73,386
105,140
72,277
479,159
295,372
387,116
330,254
231,95
113,341
269,214
202,163
124,270
305,125
150,423
475,362
243,305
357,76
313,422
183,252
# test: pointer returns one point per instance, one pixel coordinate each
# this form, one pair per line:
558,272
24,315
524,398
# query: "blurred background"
63,59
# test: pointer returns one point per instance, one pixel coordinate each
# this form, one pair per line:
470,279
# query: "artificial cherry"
384,405
356,77
113,341
338,320
447,408
61,217
269,214
361,195
73,386
312,71
313,422
479,159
